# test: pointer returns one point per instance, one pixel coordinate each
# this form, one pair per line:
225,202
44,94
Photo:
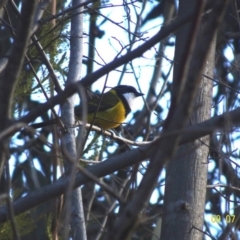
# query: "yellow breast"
111,118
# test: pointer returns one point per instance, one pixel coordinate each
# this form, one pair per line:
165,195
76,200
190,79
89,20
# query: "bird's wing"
109,100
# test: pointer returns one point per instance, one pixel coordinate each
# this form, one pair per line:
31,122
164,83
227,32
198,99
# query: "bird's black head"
122,89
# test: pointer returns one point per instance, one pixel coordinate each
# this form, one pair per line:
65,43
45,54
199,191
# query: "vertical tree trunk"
186,177
73,198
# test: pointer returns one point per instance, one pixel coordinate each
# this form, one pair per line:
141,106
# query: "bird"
110,113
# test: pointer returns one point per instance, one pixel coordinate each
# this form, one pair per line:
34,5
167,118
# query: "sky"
111,44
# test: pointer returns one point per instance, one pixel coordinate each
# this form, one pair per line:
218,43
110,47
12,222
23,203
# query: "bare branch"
119,162
91,78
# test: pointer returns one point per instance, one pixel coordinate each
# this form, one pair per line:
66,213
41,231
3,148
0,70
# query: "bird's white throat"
130,97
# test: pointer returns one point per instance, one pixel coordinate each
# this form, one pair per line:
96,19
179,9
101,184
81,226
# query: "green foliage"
24,224
49,220
28,176
54,46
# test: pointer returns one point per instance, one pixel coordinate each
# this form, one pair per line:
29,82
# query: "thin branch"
42,6
95,179
91,78
223,185
121,161
38,45
9,78
64,12
10,206
16,57
176,120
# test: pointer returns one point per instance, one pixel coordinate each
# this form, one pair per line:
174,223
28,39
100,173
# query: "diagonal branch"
11,73
164,150
91,78
122,161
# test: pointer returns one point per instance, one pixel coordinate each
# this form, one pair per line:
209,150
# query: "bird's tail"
44,124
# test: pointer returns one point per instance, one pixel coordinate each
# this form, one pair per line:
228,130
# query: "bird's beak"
140,94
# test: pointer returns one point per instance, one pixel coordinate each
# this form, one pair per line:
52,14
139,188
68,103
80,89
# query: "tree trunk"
73,197
186,176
